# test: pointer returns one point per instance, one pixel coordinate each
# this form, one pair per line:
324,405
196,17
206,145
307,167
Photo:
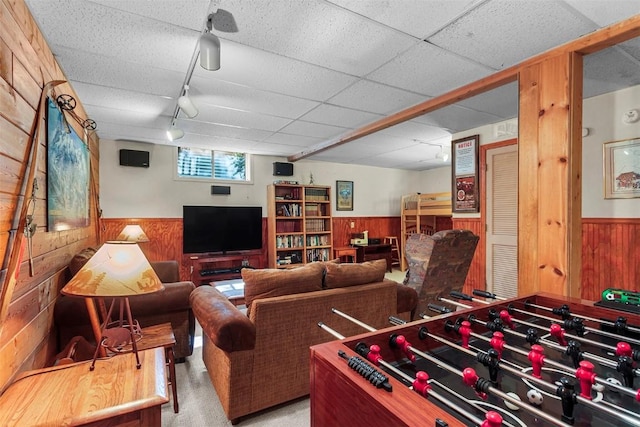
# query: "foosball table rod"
613,411
571,349
497,342
564,311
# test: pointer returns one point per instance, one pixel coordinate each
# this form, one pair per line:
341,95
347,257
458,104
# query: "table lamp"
133,233
118,270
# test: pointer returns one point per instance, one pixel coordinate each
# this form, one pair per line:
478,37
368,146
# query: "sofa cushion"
344,275
273,282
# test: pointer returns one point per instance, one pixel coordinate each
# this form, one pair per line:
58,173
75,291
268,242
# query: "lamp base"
120,336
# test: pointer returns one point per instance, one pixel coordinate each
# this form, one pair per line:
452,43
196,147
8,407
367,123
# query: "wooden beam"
590,43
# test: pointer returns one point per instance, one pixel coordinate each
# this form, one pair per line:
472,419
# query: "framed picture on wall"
67,174
464,171
344,195
622,169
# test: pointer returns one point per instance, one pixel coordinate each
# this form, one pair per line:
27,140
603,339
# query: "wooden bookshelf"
299,224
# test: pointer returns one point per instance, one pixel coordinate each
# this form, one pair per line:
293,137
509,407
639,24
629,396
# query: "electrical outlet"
353,224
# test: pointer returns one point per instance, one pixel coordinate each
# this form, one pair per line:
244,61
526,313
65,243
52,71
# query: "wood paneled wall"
377,226
610,255
26,65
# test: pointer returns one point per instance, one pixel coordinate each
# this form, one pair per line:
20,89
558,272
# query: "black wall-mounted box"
282,169
134,158
220,189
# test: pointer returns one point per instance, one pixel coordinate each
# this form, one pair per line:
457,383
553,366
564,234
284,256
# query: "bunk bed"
419,212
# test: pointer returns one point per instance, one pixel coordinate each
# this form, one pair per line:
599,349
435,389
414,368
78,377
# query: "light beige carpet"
199,404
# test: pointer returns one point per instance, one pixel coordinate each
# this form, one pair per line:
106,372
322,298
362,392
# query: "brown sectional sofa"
261,359
169,305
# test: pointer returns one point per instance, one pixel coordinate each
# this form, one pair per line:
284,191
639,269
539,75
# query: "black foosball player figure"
566,392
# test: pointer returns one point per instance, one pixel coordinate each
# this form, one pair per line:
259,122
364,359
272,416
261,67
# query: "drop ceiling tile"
117,131
125,101
216,143
289,28
457,119
413,129
221,131
87,67
376,98
607,12
315,130
340,116
91,27
600,77
184,13
429,70
292,140
418,18
500,102
224,94
246,119
105,115
502,33
270,72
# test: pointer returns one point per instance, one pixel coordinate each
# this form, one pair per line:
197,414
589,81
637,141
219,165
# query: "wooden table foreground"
115,393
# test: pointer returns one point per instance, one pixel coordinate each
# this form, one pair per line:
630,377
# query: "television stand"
207,268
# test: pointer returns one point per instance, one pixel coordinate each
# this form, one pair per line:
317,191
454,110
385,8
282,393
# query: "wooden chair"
438,264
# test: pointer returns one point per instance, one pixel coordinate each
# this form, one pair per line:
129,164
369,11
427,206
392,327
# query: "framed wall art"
344,195
67,174
622,169
464,171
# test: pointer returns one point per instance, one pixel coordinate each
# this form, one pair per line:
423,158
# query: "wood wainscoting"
610,247
610,255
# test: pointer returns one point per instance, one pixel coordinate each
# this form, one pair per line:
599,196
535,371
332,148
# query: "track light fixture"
186,104
209,48
174,133
442,155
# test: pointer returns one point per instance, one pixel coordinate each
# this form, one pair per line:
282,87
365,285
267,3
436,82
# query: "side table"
74,395
162,336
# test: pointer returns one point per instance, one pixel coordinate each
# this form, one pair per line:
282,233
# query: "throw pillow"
273,282
344,275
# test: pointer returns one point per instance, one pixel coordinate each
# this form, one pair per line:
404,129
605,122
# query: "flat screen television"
221,228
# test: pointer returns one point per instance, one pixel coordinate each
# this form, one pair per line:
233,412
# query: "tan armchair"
438,264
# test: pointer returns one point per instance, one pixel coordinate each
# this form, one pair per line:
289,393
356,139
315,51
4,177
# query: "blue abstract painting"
67,174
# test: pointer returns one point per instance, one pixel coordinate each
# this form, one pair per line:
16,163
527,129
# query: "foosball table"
540,360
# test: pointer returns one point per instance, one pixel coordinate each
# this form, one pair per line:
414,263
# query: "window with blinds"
211,164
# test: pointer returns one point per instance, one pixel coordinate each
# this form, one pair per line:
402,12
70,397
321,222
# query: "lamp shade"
118,269
133,233
209,51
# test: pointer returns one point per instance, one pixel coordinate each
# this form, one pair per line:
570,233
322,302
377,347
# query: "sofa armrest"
226,326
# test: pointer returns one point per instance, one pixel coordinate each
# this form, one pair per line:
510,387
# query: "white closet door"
502,221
